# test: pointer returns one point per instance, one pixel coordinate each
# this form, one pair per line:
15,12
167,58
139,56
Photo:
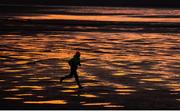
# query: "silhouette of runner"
73,63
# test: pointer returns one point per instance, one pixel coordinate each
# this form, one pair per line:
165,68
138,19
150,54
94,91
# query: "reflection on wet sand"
71,87
125,91
119,73
105,104
120,70
67,90
88,95
30,87
95,18
98,104
114,106
2,80
113,68
13,98
46,102
153,79
23,94
11,90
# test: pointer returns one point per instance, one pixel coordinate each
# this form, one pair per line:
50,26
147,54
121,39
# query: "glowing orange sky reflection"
97,18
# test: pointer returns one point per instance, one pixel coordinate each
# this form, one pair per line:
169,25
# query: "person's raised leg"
65,77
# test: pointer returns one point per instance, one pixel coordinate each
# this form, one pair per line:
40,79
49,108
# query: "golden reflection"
12,70
88,95
57,85
23,94
3,69
13,98
12,89
108,67
61,55
11,35
21,57
2,58
90,64
134,67
125,91
7,53
41,78
33,80
21,62
178,99
153,80
91,77
119,86
96,18
46,102
27,74
2,80
71,87
142,82
114,106
31,87
128,49
8,63
119,73
174,85
96,104
18,76
82,102
68,91
176,89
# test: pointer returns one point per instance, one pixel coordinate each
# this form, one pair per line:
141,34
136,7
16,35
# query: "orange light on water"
30,87
46,102
13,98
88,95
96,18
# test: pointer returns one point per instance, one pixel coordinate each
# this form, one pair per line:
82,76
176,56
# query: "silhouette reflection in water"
73,63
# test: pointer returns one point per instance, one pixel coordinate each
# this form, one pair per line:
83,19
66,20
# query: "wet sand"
125,65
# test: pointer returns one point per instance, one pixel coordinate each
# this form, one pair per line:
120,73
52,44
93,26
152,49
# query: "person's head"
77,54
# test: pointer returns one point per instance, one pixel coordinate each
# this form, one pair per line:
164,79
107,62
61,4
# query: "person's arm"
79,62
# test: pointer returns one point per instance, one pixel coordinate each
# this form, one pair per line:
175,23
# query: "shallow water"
116,63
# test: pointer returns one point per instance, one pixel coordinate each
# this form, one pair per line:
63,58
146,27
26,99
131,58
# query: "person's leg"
65,77
77,79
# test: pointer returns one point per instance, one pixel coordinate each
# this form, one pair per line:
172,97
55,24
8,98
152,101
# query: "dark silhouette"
117,3
73,63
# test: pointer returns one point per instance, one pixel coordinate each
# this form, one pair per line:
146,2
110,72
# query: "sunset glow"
97,18
66,57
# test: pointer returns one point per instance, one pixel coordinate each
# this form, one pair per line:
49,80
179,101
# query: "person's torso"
74,62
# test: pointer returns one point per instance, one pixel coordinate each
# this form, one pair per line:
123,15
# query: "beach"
130,57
